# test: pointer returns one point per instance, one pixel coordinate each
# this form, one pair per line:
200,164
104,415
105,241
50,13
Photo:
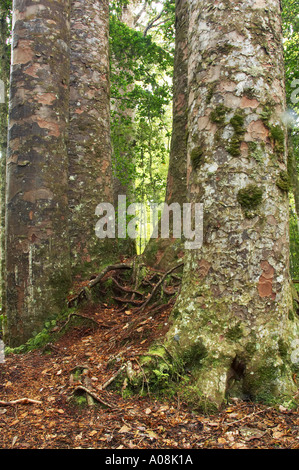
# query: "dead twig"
106,384
20,401
249,416
93,395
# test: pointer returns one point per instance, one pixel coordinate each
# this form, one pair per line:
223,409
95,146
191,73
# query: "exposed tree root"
161,281
85,317
83,294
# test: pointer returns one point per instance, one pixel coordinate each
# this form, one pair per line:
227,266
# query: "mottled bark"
234,321
4,77
90,172
37,243
163,253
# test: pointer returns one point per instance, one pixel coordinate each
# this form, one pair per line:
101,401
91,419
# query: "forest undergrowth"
66,390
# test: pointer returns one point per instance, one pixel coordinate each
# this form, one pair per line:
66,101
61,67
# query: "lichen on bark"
236,299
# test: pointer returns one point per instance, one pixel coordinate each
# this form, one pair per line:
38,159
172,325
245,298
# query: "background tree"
163,253
89,144
141,67
291,42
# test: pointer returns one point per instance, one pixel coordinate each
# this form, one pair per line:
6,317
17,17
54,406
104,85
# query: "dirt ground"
82,358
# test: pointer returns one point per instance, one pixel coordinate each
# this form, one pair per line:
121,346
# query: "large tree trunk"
37,243
4,77
90,171
234,322
164,252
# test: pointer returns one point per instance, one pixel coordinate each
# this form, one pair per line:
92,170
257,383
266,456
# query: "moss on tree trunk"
234,317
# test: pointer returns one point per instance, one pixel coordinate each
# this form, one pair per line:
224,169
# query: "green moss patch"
283,181
237,122
277,136
218,115
250,197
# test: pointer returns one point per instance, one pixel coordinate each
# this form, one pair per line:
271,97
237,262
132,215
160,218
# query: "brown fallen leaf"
124,429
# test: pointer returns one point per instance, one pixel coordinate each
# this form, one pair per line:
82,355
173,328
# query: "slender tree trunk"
4,77
163,253
234,322
90,170
123,128
293,172
123,135
37,243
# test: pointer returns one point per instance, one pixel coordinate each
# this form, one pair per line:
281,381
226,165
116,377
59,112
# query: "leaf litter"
86,358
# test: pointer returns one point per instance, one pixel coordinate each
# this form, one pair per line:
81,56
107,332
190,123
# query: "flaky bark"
4,76
90,173
164,253
234,321
37,244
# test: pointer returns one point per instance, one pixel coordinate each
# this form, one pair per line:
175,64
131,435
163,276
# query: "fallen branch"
93,395
20,401
249,416
106,384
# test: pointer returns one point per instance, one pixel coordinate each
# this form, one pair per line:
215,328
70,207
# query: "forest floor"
50,376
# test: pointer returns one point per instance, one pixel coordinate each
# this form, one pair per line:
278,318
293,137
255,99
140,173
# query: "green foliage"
141,97
42,338
290,16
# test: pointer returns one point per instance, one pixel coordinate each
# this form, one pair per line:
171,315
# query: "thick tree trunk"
234,322
90,171
37,243
4,77
163,253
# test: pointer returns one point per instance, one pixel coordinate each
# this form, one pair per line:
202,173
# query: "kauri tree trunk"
4,77
37,243
89,149
234,324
